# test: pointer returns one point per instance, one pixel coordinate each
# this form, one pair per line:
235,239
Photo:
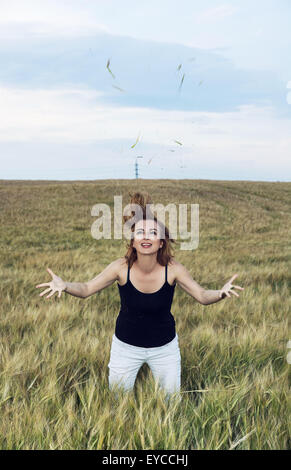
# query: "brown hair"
164,254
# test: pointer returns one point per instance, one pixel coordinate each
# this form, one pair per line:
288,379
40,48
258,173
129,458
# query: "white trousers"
164,362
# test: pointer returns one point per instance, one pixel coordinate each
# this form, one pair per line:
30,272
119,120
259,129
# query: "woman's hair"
164,254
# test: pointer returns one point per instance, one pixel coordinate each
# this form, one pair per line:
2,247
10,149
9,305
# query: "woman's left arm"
203,296
212,296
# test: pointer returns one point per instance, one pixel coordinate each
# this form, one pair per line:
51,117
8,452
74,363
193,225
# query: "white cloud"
28,115
217,13
33,17
79,116
260,41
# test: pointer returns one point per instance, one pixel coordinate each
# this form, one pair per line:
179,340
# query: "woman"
145,328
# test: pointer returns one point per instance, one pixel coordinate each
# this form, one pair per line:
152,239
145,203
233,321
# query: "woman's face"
147,237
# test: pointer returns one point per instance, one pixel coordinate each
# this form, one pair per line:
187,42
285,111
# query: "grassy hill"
54,352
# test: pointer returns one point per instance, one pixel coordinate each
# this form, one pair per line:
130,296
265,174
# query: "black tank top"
145,319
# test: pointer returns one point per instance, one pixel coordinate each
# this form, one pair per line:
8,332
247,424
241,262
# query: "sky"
195,89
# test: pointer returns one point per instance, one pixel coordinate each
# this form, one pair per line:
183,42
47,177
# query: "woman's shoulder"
175,268
173,263
121,262
121,268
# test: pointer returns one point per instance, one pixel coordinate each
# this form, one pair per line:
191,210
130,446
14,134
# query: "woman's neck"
146,264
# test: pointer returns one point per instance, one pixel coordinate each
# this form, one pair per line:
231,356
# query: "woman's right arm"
83,289
77,289
109,275
58,285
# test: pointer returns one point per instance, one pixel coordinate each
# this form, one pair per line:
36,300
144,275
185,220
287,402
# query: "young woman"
145,327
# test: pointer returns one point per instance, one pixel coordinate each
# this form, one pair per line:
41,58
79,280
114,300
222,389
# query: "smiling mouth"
146,245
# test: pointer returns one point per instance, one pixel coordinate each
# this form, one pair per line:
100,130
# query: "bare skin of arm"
107,277
111,273
203,296
82,289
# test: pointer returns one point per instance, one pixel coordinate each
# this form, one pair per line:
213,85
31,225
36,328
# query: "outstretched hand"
228,286
56,285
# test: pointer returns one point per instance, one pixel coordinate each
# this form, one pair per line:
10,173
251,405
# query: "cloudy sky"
197,88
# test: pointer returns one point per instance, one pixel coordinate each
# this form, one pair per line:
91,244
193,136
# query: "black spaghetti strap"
128,273
166,271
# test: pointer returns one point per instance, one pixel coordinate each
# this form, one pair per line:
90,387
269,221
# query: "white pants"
164,362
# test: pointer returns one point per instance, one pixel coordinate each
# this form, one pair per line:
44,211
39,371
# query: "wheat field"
54,352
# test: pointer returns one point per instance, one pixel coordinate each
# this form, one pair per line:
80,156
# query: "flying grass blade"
107,66
135,142
118,88
182,82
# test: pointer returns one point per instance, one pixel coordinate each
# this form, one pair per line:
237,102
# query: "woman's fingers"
50,271
233,277
45,291
43,285
52,293
227,288
225,292
234,293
